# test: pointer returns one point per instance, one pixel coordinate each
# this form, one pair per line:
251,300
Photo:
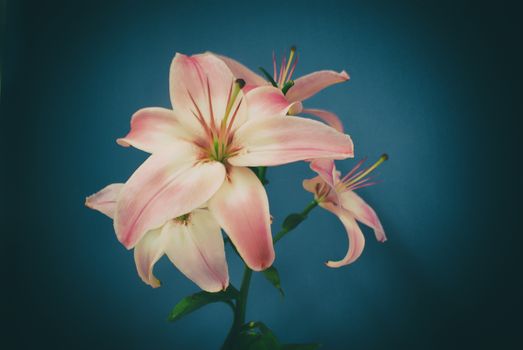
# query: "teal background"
436,85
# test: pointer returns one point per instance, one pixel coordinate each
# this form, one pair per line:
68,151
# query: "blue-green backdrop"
432,83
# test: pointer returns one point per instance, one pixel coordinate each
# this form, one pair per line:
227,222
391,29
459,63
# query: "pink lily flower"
337,196
193,243
296,90
201,151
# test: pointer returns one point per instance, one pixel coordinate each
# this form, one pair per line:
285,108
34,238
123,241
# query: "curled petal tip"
156,283
345,75
380,236
333,264
122,142
295,108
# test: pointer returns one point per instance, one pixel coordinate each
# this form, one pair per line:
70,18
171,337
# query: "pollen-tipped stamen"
274,68
357,180
356,167
233,118
213,122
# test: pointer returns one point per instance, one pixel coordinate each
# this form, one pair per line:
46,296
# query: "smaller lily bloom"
295,91
337,195
193,242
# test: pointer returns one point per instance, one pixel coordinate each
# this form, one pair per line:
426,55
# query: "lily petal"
241,208
165,186
363,213
275,141
146,253
310,84
326,169
265,102
328,117
196,249
356,238
105,200
154,130
206,80
242,72
313,185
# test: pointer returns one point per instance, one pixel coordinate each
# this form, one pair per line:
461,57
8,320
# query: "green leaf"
256,336
272,275
194,302
310,346
292,221
246,340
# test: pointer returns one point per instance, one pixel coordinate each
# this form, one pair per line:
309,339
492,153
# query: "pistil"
358,180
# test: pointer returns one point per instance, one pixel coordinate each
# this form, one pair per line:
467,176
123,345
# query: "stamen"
281,71
291,55
357,184
229,127
355,180
354,169
213,123
202,123
199,116
273,65
368,184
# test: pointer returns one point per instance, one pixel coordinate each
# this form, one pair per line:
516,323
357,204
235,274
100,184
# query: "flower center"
217,144
183,219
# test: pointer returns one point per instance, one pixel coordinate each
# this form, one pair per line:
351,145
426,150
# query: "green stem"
239,310
303,214
241,302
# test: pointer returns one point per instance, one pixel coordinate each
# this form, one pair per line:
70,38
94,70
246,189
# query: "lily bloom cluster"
197,181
